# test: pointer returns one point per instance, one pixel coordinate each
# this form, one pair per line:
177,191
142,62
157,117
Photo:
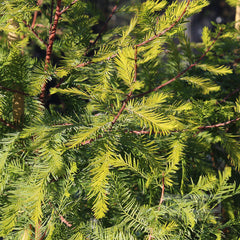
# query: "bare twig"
148,132
150,236
66,8
36,35
135,64
181,73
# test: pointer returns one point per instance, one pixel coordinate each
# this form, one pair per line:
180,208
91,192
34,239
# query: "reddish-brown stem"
159,205
49,48
13,90
8,124
66,8
181,73
35,34
130,93
219,124
39,3
148,132
150,235
200,128
162,194
120,111
34,19
51,17
63,220
52,35
229,95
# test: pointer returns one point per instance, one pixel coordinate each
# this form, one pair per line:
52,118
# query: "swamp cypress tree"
130,133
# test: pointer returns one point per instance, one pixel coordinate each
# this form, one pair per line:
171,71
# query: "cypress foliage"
130,133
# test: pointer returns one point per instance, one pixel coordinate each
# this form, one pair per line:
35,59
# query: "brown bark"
237,17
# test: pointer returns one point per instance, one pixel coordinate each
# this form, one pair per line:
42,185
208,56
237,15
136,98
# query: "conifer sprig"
14,90
8,124
66,8
35,33
181,73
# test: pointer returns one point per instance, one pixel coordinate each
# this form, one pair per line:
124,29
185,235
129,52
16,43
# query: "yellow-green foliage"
127,134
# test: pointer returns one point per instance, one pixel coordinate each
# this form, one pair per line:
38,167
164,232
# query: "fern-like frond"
204,84
155,122
86,133
173,160
125,65
100,170
74,91
221,70
130,28
129,162
232,3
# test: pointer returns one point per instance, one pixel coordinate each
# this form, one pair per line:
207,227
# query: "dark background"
218,11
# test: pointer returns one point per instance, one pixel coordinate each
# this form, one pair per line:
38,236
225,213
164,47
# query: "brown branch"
63,220
150,235
120,111
36,35
51,39
229,95
200,128
52,35
51,17
13,90
66,8
148,132
39,3
181,73
162,194
8,124
219,124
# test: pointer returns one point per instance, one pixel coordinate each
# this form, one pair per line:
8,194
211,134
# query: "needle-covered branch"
13,90
8,124
181,73
147,41
35,33
65,9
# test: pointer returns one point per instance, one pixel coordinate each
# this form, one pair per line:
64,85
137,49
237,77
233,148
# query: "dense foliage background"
127,132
